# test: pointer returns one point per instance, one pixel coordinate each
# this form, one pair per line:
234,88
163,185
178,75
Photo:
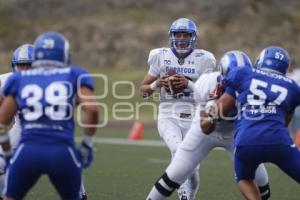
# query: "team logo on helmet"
273,59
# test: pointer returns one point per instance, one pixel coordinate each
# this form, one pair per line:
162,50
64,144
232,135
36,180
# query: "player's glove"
209,110
7,152
86,150
3,163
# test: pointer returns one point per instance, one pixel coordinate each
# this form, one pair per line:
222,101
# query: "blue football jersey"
264,100
46,99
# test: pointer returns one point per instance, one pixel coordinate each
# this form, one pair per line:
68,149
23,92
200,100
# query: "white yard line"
148,143
119,141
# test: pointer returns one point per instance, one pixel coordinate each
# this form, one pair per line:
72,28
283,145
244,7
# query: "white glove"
3,164
210,111
87,151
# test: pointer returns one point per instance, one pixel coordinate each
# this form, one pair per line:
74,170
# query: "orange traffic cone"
137,131
297,138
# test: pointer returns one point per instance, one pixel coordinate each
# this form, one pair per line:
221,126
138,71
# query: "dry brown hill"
120,33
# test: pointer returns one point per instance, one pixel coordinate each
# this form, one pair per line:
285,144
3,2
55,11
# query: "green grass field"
128,172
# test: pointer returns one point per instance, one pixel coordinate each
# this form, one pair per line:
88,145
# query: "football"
172,88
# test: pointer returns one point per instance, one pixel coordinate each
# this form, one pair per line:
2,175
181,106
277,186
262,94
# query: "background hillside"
119,33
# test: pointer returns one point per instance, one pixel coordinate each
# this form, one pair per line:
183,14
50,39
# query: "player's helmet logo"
233,59
273,58
22,55
183,45
52,49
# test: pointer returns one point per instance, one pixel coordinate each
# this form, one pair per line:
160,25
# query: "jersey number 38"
51,101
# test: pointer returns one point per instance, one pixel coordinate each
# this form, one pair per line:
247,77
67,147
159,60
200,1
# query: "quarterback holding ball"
173,72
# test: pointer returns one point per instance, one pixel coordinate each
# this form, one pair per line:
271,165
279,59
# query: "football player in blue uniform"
46,97
267,99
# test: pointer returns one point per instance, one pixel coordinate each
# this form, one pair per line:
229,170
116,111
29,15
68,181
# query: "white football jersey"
162,60
295,75
3,78
15,131
204,88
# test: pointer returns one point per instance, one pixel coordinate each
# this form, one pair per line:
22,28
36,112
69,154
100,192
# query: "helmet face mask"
23,66
22,57
183,36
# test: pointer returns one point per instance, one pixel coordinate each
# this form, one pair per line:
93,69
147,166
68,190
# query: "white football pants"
173,131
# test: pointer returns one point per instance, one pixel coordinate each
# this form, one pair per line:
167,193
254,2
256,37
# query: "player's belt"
185,115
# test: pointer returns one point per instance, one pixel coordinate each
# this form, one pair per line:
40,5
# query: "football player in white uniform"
173,72
3,78
21,60
196,145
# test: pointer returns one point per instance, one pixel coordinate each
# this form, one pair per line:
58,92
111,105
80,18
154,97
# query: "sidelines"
119,141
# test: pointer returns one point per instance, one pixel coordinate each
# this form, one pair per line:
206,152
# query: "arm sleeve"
292,108
202,89
154,62
11,86
232,80
84,78
208,63
230,91
1,88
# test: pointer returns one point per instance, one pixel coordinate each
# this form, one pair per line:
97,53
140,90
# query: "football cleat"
84,197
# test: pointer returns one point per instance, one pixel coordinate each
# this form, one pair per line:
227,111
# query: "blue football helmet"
183,25
51,48
233,59
22,55
274,59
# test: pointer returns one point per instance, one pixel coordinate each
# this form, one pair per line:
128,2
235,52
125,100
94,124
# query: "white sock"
155,195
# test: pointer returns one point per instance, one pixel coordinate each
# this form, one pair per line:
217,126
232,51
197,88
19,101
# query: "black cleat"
83,197
183,197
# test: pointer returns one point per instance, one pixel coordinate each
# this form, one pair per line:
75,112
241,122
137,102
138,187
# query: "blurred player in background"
45,97
196,145
21,60
294,73
173,72
267,99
